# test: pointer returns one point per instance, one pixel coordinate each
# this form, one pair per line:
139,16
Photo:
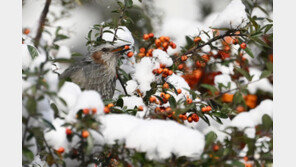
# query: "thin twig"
228,33
121,82
42,22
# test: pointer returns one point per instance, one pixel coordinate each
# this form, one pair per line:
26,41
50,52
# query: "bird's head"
107,52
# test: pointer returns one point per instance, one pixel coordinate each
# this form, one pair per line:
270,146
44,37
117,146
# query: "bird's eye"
104,49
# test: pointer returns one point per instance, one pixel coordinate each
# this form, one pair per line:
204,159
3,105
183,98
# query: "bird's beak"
121,49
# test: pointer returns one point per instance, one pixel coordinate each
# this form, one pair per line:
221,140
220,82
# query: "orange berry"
189,101
165,45
226,48
168,109
173,45
68,131
248,165
141,54
165,71
206,109
157,109
94,110
200,64
167,39
195,117
106,110
162,94
167,96
205,57
26,31
110,105
162,39
165,86
197,39
157,42
152,99
189,119
85,133
240,109
142,50
162,65
145,36
246,158
140,108
243,45
180,116
216,147
159,71
85,111
151,35
170,72
227,98
126,47
180,66
130,54
184,58
179,91
164,75
235,41
61,150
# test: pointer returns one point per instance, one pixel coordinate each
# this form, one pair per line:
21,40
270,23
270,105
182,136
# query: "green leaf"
119,102
265,74
267,121
172,102
249,52
48,124
60,37
244,73
210,138
128,3
209,87
33,51
31,106
268,27
90,145
237,163
28,154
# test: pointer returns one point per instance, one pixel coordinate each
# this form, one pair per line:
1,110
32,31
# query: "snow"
253,117
131,86
26,57
43,107
257,83
38,162
57,138
158,138
179,83
143,74
232,17
162,57
123,34
63,53
224,79
69,92
86,99
133,101
262,84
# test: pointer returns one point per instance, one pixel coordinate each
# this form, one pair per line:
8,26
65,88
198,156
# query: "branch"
42,23
121,82
228,33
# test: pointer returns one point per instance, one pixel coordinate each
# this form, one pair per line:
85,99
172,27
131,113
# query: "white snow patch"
162,57
158,138
143,74
232,17
131,86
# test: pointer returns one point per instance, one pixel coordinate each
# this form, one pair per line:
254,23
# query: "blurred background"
174,18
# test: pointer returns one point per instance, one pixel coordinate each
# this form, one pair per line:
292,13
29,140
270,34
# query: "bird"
97,69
